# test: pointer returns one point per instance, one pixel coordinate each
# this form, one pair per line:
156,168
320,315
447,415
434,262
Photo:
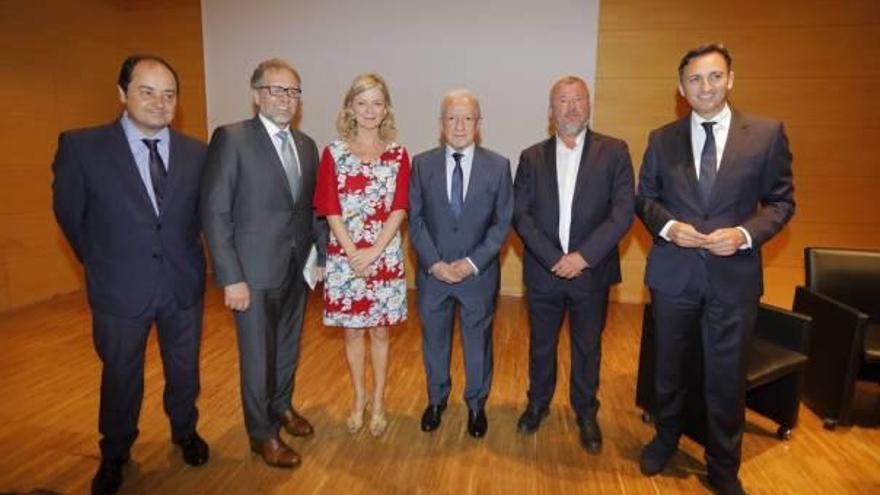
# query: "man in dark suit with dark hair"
573,203
257,214
461,201
126,197
714,187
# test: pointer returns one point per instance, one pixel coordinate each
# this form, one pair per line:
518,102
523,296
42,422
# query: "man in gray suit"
257,216
457,230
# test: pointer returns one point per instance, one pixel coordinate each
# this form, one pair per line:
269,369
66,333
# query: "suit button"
158,226
157,256
705,217
455,229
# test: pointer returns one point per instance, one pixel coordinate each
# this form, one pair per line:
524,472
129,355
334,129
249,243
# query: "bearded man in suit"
573,203
257,215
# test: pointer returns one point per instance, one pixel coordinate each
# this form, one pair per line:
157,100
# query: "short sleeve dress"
363,194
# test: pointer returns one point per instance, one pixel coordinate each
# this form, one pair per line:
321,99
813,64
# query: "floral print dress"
363,194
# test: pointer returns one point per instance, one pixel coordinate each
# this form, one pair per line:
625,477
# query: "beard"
571,129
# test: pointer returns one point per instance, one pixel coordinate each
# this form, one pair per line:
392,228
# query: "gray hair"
271,64
460,93
569,79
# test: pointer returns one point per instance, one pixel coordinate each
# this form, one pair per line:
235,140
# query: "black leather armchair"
774,377
842,294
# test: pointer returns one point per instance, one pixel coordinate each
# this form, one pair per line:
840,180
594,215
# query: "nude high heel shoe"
355,420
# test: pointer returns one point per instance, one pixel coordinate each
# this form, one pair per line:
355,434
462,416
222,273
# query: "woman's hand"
361,260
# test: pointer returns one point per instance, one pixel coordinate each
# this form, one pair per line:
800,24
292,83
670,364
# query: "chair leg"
783,432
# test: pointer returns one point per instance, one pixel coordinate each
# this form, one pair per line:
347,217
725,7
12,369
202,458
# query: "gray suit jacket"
248,214
479,231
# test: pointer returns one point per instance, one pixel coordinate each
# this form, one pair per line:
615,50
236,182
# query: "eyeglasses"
292,91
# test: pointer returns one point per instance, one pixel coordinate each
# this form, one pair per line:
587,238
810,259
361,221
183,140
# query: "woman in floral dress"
362,190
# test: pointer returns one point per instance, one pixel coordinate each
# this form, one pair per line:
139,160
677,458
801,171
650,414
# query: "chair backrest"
851,276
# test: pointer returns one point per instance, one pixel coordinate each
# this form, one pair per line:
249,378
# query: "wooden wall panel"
58,71
814,64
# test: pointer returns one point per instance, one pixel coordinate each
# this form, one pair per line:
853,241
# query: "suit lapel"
266,148
550,183
437,165
476,178
175,159
685,160
588,157
128,168
736,135
306,173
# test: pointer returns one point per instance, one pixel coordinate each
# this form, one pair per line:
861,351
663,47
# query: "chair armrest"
837,344
784,328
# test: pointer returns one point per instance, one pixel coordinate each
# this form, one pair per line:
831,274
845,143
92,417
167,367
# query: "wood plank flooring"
49,381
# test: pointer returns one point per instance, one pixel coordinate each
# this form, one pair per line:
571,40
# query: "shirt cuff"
664,232
476,270
748,244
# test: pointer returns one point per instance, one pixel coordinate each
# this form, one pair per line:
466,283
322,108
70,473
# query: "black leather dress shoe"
432,416
531,419
655,456
590,435
195,450
726,487
477,423
108,479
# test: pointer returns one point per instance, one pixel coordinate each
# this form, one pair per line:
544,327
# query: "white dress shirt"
698,139
568,162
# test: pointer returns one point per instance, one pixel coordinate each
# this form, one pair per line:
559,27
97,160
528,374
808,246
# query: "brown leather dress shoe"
295,424
276,453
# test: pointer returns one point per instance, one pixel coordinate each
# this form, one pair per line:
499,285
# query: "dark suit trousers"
437,303
683,321
586,313
268,349
121,343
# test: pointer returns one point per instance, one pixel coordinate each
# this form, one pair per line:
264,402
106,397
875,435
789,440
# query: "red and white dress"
363,194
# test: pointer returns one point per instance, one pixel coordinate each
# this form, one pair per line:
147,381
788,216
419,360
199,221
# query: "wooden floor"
49,399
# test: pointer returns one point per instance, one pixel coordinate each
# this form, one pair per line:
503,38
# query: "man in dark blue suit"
713,188
126,197
573,203
461,201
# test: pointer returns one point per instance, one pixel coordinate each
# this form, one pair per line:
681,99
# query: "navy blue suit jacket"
753,189
478,232
602,212
106,215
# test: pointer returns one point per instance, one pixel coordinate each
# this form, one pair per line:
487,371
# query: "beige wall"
813,64
58,71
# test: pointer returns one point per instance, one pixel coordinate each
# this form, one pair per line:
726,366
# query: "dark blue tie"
158,174
457,198
708,164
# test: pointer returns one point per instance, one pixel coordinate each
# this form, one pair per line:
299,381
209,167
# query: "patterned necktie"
290,163
457,198
158,174
708,164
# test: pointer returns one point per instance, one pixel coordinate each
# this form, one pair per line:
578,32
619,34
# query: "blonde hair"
346,125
